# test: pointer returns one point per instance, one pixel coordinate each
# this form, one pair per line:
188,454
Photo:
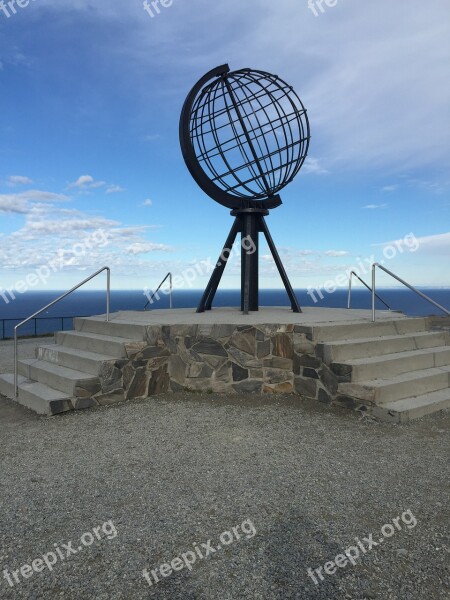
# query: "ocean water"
87,303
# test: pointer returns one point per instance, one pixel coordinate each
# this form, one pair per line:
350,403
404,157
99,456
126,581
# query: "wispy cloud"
85,182
11,205
438,244
147,202
146,247
375,206
50,227
114,189
24,202
438,186
312,165
14,180
389,188
152,137
336,253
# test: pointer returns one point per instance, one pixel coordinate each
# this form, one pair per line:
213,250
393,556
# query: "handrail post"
350,290
150,300
16,385
373,291
108,292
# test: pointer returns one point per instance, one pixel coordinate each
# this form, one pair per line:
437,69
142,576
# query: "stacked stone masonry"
259,359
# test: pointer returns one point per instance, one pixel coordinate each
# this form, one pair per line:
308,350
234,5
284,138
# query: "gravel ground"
174,471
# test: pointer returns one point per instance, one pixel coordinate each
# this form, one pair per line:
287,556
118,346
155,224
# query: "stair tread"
403,377
40,390
398,318
418,401
370,360
76,352
100,319
56,369
386,338
98,336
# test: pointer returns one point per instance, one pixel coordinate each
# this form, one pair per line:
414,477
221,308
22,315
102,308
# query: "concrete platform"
395,368
279,314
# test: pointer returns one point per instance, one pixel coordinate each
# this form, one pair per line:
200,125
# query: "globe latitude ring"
244,136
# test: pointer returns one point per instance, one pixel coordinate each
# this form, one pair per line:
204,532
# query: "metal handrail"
33,316
411,287
168,276
367,286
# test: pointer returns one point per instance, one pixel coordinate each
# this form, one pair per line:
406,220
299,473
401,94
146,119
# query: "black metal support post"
249,260
249,222
287,284
211,288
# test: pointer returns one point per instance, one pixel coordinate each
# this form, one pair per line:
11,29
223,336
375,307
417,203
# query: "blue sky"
90,96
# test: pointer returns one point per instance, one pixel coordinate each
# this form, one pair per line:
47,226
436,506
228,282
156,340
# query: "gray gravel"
177,470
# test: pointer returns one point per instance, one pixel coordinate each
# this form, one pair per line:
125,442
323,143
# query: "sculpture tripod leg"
287,284
249,222
211,288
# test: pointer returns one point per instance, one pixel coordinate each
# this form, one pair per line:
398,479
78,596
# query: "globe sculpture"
244,136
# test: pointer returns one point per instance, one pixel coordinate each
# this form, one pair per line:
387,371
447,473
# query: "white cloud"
114,189
312,165
88,183
61,227
364,101
152,137
85,182
43,196
12,205
147,202
436,187
336,253
145,247
19,180
82,181
24,202
438,244
50,228
375,206
389,188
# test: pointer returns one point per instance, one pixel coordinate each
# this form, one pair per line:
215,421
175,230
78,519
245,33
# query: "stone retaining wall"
219,358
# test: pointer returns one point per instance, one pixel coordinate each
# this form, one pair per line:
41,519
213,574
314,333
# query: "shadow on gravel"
295,545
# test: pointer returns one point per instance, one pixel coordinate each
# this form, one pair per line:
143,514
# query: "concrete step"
402,411
378,346
351,331
60,378
115,327
73,358
390,365
93,342
38,397
380,391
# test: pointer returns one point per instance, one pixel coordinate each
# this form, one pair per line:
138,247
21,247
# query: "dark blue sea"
86,303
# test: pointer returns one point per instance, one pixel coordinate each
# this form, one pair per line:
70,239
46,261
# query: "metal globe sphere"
244,136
